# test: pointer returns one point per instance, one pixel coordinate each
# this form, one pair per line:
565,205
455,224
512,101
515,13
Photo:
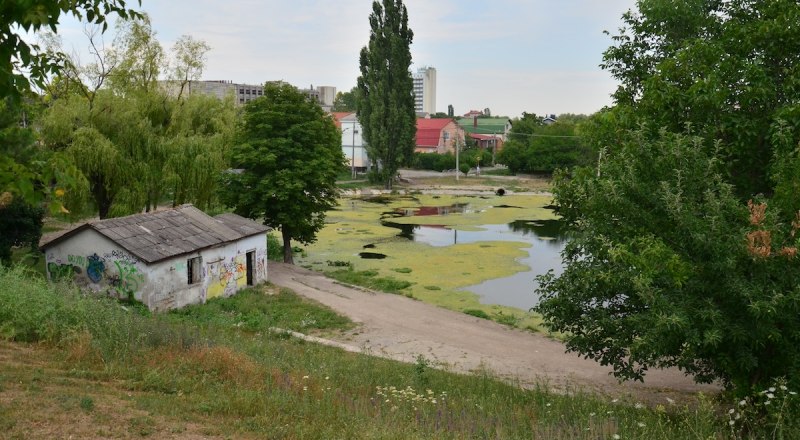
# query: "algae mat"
436,272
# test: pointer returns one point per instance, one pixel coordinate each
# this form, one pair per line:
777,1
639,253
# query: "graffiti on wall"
226,277
261,264
128,279
59,271
117,269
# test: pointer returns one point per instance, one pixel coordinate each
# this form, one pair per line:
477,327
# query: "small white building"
353,145
165,259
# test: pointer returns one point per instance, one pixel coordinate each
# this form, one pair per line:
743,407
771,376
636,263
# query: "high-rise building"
425,90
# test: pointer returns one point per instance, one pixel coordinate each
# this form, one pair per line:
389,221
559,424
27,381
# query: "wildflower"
731,422
433,401
638,405
767,402
327,378
771,389
387,400
742,402
793,393
614,400
616,437
731,411
783,388
591,414
641,425
548,404
305,377
305,388
770,396
671,401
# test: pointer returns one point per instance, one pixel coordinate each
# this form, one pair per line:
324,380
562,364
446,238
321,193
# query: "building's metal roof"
155,236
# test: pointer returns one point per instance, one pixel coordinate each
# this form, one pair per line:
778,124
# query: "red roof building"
440,135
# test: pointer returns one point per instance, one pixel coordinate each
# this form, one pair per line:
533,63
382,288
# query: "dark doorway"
250,263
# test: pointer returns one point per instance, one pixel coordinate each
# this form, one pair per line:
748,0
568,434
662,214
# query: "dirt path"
400,328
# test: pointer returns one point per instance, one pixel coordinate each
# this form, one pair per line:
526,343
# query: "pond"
462,252
545,237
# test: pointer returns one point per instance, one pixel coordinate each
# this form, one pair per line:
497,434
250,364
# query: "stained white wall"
98,264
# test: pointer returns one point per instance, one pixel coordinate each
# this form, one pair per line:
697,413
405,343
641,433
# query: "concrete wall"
98,264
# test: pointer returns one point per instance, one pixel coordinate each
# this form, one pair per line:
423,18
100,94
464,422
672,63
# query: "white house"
165,259
352,140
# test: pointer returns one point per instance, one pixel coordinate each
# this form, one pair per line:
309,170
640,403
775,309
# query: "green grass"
369,279
211,370
252,311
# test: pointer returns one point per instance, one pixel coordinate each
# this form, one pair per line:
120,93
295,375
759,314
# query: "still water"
546,239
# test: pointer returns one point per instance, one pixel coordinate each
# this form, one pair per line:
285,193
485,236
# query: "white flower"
742,402
641,425
770,396
638,406
616,437
591,414
771,389
305,377
327,378
793,393
731,411
305,388
614,401
783,388
731,422
549,404
767,402
671,401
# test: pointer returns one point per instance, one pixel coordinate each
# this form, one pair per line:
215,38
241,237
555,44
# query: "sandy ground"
400,328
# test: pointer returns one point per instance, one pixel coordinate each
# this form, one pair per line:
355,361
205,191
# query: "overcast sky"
508,55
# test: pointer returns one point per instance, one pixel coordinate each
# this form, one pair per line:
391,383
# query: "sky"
510,56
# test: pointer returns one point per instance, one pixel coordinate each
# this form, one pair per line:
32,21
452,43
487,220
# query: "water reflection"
546,237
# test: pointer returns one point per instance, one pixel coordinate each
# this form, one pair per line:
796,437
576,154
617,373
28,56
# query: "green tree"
285,165
17,56
20,224
386,101
346,101
685,236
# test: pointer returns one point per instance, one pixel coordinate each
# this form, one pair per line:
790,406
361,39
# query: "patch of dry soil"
400,328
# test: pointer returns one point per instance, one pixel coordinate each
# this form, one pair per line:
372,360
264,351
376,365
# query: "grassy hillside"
74,365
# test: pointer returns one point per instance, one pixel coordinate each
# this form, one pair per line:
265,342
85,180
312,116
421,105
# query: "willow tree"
152,143
385,91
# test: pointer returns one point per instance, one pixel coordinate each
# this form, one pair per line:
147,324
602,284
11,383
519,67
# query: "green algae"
436,273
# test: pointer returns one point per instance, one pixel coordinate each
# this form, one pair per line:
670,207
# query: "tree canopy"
685,236
538,148
18,58
346,101
133,141
385,98
285,165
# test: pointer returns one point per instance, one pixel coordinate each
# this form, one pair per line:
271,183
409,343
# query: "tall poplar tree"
386,100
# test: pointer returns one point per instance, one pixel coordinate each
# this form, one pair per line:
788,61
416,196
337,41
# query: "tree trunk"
287,246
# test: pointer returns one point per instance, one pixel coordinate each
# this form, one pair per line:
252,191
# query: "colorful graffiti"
226,277
128,279
116,271
95,268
